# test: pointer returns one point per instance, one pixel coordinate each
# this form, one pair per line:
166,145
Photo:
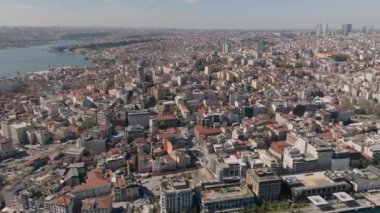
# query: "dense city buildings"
177,121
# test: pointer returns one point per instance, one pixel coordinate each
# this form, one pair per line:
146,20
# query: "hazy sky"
200,14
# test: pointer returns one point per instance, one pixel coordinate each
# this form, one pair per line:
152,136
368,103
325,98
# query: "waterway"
38,58
375,210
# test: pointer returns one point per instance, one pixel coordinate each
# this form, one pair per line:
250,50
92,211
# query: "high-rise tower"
346,29
140,71
226,48
325,30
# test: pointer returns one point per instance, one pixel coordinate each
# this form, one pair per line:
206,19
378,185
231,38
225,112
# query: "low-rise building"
175,143
97,205
115,162
5,129
217,197
125,190
365,179
367,144
139,118
168,120
265,184
176,196
202,132
18,133
95,186
317,183
136,131
144,163
229,171
271,161
6,148
62,204
94,146
183,160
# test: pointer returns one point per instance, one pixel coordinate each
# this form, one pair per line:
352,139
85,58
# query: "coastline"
19,61
23,44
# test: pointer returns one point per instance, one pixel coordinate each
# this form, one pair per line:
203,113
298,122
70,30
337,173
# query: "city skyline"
189,106
190,14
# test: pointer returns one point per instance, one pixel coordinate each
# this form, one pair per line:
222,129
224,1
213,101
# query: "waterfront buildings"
317,183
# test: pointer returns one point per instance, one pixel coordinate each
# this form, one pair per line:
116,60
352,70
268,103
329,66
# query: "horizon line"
165,28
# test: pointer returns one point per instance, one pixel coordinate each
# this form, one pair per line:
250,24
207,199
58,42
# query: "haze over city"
189,14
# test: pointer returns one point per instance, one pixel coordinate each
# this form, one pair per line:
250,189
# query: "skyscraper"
226,48
325,30
319,26
346,29
367,29
140,71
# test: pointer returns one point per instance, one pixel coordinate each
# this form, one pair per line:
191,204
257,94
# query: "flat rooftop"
369,139
373,197
175,184
225,193
318,200
19,125
310,179
264,174
179,184
343,196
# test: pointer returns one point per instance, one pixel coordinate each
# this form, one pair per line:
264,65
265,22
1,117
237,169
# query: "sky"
190,14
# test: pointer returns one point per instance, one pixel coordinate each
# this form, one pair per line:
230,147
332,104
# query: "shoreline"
40,57
23,44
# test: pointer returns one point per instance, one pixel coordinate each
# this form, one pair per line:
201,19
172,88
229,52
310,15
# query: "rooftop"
372,140
97,203
166,117
63,200
175,184
208,130
343,196
316,179
317,200
264,174
225,193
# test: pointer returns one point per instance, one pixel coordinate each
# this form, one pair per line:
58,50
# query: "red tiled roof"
63,200
94,174
97,203
170,133
90,185
326,135
94,179
207,130
166,117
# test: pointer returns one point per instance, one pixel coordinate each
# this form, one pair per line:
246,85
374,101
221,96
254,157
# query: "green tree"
341,57
299,65
162,125
164,184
